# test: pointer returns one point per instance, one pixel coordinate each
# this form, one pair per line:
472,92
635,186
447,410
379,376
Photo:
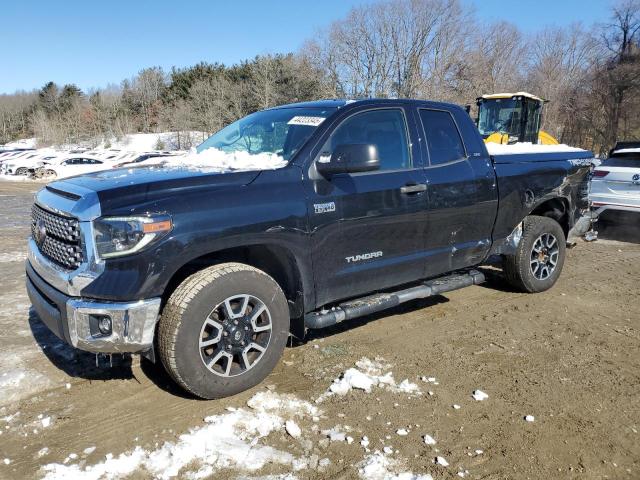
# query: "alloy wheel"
544,256
235,335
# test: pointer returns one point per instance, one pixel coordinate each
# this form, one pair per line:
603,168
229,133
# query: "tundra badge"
362,256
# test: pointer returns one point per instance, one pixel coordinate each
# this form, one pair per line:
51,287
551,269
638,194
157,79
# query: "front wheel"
223,330
538,261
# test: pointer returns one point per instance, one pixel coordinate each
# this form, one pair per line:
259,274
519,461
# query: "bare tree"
622,39
147,89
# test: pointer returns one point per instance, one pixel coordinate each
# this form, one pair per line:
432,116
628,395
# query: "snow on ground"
528,147
379,466
365,376
23,143
479,395
229,440
145,142
429,440
18,178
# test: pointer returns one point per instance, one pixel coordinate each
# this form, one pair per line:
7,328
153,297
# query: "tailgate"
620,180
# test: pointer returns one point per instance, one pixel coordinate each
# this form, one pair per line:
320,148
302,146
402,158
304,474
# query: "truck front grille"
58,237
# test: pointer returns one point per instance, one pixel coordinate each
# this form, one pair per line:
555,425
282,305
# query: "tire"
525,270
206,305
22,171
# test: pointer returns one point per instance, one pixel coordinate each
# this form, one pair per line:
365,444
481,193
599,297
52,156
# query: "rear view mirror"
349,158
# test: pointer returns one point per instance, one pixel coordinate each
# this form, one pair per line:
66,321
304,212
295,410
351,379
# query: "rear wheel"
223,330
539,258
22,171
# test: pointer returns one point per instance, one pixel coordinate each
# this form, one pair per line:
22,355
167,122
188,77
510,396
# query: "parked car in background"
143,159
615,183
73,165
20,164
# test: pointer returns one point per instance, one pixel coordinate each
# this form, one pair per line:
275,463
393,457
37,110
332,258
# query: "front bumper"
75,319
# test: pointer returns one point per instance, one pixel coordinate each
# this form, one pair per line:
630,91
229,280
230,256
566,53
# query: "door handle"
414,188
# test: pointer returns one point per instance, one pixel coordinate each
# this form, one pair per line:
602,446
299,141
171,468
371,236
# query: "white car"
21,164
143,159
74,165
615,183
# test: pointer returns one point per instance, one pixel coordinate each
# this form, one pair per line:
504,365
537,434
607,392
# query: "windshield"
278,133
500,115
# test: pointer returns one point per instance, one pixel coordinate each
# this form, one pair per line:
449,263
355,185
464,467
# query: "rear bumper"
75,320
600,206
602,199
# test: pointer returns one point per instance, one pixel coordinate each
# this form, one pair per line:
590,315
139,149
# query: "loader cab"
510,117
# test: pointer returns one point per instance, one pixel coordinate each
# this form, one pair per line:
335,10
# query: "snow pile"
479,395
219,160
365,376
441,461
378,466
429,440
145,142
230,440
528,147
23,143
336,434
293,429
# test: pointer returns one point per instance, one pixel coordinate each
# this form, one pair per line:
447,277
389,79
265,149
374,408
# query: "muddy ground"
569,356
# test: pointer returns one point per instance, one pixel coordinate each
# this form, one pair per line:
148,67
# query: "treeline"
203,98
431,49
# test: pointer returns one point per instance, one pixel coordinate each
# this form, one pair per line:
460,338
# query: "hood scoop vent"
62,193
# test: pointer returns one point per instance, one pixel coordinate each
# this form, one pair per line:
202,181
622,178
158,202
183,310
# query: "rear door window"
443,139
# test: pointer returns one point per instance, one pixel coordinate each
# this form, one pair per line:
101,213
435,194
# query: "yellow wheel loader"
512,117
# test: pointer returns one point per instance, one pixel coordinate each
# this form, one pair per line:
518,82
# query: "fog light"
104,325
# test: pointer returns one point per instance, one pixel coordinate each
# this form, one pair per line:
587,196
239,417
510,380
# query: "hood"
122,187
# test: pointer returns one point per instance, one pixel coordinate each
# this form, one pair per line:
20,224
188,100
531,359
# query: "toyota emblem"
40,232
636,179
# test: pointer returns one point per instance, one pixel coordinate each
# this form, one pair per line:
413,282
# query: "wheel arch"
275,260
556,208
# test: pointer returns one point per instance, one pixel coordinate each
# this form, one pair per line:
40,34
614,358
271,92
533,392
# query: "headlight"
117,236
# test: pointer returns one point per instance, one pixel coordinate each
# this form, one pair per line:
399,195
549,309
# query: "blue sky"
93,43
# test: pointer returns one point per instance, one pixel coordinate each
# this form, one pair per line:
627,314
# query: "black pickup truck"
318,213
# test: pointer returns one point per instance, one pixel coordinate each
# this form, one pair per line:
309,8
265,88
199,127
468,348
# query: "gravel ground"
569,357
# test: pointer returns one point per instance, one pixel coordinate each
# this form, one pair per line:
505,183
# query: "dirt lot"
570,357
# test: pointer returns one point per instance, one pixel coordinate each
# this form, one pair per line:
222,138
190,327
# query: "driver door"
368,228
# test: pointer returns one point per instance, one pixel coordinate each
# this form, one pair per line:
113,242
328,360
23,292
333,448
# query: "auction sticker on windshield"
302,120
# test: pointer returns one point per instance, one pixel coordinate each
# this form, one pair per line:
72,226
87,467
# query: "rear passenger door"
368,228
462,194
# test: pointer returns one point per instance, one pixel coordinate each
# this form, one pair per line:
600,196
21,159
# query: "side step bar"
382,301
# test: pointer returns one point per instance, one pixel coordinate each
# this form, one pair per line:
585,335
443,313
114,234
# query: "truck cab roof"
343,102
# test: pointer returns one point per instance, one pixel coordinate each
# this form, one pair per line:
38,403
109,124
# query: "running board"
382,301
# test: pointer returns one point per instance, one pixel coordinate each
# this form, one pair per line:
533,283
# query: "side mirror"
349,158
